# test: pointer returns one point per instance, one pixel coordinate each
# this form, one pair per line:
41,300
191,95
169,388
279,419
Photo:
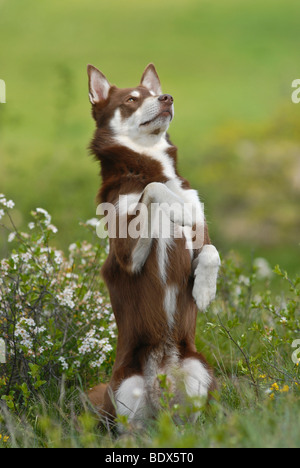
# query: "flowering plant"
55,316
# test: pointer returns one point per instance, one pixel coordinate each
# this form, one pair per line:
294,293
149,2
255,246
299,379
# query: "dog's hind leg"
100,398
96,395
130,399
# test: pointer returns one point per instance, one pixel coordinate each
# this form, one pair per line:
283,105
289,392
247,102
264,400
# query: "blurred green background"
229,65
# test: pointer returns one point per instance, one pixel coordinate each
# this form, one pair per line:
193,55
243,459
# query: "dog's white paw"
206,275
203,295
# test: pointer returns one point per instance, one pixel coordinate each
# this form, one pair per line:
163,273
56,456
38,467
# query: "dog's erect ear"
98,85
151,80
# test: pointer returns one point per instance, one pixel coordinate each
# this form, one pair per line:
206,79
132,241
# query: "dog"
156,282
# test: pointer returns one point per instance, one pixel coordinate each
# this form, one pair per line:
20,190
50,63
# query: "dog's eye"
131,99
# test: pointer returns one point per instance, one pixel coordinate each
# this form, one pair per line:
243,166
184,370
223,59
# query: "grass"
229,67
53,312
264,425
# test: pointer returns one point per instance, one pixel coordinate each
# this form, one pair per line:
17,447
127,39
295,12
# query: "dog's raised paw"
203,296
206,274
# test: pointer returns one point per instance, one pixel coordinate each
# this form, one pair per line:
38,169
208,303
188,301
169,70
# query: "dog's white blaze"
196,378
170,303
130,398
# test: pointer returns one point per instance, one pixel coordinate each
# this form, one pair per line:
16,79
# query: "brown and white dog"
156,282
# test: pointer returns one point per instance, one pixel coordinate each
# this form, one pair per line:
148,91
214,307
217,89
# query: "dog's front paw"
203,295
206,274
180,215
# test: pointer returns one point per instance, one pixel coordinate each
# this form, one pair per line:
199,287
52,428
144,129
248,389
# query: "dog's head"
139,115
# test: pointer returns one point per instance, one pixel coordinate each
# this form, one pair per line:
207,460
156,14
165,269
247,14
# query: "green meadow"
229,66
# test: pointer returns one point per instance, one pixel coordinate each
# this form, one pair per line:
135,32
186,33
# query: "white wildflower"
26,257
52,228
257,299
46,215
31,226
15,258
86,247
4,266
12,236
65,298
63,363
2,213
58,257
39,329
10,204
43,260
92,222
244,280
263,268
29,321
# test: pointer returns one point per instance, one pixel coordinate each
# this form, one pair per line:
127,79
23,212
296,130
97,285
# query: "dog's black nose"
166,98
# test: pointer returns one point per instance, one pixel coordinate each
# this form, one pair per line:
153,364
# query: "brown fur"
137,299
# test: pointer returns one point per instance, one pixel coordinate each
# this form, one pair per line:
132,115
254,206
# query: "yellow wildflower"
275,387
285,389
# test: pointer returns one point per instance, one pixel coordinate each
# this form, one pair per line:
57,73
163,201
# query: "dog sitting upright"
155,281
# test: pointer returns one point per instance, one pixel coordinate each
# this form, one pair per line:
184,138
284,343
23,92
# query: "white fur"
130,398
135,93
157,192
140,138
196,378
170,303
163,247
140,254
206,274
143,122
